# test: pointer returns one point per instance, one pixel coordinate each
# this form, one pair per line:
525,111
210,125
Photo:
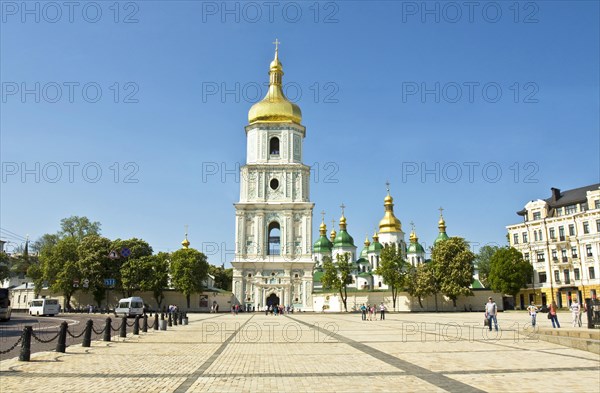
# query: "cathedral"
276,262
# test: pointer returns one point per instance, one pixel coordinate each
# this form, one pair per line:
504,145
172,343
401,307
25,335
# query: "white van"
130,307
44,307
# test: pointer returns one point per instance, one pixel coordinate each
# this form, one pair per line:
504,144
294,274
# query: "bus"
44,307
5,309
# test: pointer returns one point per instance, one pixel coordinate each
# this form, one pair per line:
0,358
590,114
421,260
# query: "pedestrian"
382,311
373,312
553,316
575,310
363,311
532,309
490,313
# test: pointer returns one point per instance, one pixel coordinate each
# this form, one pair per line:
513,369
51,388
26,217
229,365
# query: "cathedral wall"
331,302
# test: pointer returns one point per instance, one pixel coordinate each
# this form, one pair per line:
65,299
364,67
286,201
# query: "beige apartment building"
560,237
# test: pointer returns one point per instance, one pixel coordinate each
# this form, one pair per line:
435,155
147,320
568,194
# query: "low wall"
331,302
199,302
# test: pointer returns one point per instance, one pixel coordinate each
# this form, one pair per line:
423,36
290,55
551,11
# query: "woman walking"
553,316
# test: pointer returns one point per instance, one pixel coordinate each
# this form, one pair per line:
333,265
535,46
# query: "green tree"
393,269
338,275
421,282
452,263
483,260
94,264
78,227
156,275
125,268
509,272
59,267
4,266
223,277
189,269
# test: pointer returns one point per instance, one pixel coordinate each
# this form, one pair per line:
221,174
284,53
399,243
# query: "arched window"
274,146
274,239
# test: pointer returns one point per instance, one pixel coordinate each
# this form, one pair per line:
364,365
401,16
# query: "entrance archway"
273,300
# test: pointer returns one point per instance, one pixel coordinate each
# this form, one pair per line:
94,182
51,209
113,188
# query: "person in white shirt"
575,310
533,312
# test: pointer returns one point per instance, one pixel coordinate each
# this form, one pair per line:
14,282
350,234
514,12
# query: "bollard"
163,323
61,346
175,318
87,336
170,320
181,318
185,318
155,325
123,332
145,324
136,325
107,329
26,344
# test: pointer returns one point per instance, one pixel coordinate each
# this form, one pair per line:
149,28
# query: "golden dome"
413,237
442,224
275,107
367,242
185,243
389,222
323,229
342,223
375,237
332,235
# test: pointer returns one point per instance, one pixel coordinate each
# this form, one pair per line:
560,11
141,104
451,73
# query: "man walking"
490,313
533,312
381,311
363,311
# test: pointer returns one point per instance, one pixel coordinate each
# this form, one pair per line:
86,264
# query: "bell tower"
273,259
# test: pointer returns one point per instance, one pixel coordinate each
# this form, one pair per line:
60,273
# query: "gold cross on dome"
412,224
323,215
277,42
387,185
333,223
186,230
343,207
441,209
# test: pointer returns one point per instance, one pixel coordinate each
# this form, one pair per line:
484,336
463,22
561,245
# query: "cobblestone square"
309,352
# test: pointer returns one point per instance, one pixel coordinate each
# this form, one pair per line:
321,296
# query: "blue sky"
434,97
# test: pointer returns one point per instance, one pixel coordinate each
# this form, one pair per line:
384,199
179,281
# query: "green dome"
415,248
365,275
375,247
441,237
322,245
362,260
363,253
343,239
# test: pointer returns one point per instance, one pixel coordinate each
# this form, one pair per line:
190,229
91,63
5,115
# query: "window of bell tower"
274,238
274,146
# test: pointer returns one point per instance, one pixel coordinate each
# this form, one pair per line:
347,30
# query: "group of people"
172,308
576,311
276,310
369,312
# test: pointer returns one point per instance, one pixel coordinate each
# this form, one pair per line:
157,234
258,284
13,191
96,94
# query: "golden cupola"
389,222
275,107
185,243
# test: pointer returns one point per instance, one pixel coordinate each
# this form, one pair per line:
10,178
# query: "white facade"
273,250
560,236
